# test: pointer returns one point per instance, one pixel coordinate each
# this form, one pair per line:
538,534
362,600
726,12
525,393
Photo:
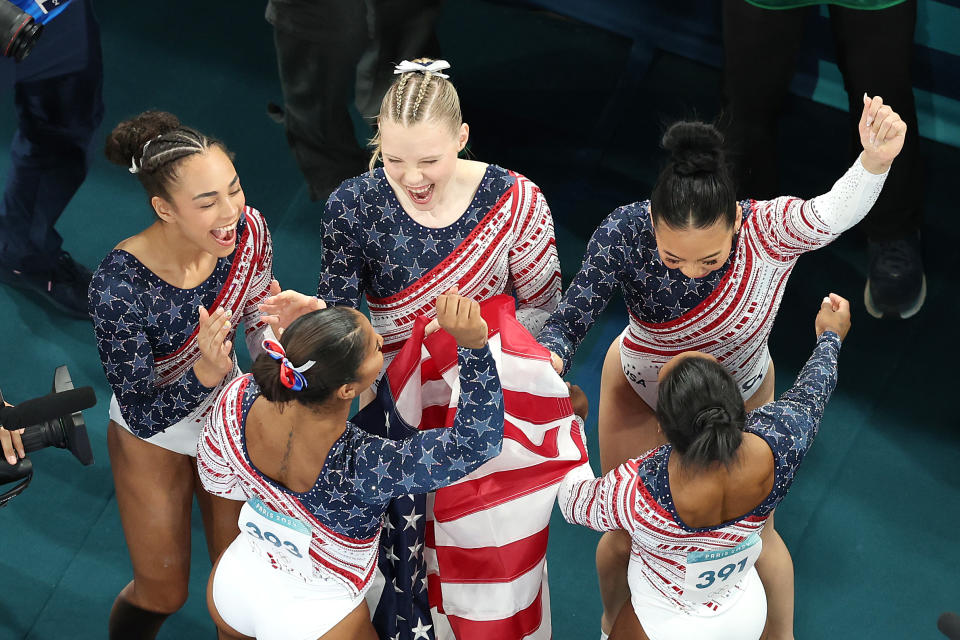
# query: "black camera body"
67,431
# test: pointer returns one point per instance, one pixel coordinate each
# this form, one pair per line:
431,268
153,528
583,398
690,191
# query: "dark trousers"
874,52
57,91
319,46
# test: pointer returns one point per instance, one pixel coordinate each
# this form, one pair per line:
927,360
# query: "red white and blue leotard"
636,495
146,332
362,472
503,243
730,312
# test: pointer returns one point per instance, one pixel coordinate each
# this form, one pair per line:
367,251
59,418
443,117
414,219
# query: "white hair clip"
434,67
133,165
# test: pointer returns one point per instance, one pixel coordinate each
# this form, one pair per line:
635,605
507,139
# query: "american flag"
469,561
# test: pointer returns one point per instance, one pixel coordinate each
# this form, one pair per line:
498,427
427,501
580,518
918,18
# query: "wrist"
873,165
207,374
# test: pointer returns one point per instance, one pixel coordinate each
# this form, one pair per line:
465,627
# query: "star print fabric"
636,495
623,253
140,320
370,245
362,472
728,313
502,243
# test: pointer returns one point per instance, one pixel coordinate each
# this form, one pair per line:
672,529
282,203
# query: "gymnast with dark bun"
694,508
700,271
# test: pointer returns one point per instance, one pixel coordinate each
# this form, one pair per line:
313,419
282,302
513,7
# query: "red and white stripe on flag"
486,535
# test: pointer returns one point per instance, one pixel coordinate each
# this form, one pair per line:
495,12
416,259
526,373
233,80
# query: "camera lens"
18,31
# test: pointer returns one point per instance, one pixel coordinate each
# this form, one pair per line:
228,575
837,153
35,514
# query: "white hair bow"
434,67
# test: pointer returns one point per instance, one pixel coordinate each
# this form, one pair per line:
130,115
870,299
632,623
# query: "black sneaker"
65,285
896,285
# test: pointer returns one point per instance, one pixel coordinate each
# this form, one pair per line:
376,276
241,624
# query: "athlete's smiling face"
206,202
420,159
696,252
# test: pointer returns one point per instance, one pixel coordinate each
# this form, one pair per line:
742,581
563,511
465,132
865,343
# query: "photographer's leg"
154,488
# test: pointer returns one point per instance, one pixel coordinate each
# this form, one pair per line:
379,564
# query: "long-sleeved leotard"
362,472
146,332
728,313
503,243
636,495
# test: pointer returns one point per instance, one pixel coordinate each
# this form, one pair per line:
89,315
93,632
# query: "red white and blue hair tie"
290,376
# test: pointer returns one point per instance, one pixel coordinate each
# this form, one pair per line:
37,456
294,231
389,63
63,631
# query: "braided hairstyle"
418,96
701,412
695,188
333,338
152,144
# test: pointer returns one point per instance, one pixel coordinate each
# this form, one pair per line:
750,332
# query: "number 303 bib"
285,540
710,571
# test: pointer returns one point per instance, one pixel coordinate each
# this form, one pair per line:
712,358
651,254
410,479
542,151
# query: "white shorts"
641,372
741,616
260,601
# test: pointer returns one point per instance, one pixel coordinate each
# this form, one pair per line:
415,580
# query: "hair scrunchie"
290,376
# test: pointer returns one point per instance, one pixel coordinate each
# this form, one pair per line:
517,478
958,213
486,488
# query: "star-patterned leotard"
362,472
636,495
146,331
502,243
729,313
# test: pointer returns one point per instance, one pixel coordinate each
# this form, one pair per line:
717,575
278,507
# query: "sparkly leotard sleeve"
729,312
141,321
503,243
636,495
362,472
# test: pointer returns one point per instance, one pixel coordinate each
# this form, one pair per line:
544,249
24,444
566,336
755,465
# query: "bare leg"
154,489
627,626
628,428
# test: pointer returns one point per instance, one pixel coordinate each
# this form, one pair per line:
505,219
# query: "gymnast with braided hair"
694,507
165,304
429,221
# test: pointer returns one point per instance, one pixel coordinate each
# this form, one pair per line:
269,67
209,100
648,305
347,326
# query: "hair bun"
127,138
695,147
711,417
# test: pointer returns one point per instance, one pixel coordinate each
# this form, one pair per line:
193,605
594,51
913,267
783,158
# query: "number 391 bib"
710,571
282,539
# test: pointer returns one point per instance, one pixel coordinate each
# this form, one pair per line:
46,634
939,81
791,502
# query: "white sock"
604,636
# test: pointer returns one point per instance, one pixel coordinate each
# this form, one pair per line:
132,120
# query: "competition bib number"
284,539
710,571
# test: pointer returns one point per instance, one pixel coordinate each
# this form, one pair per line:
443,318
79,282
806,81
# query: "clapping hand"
216,351
882,134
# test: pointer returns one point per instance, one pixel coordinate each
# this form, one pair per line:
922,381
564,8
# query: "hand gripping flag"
469,561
